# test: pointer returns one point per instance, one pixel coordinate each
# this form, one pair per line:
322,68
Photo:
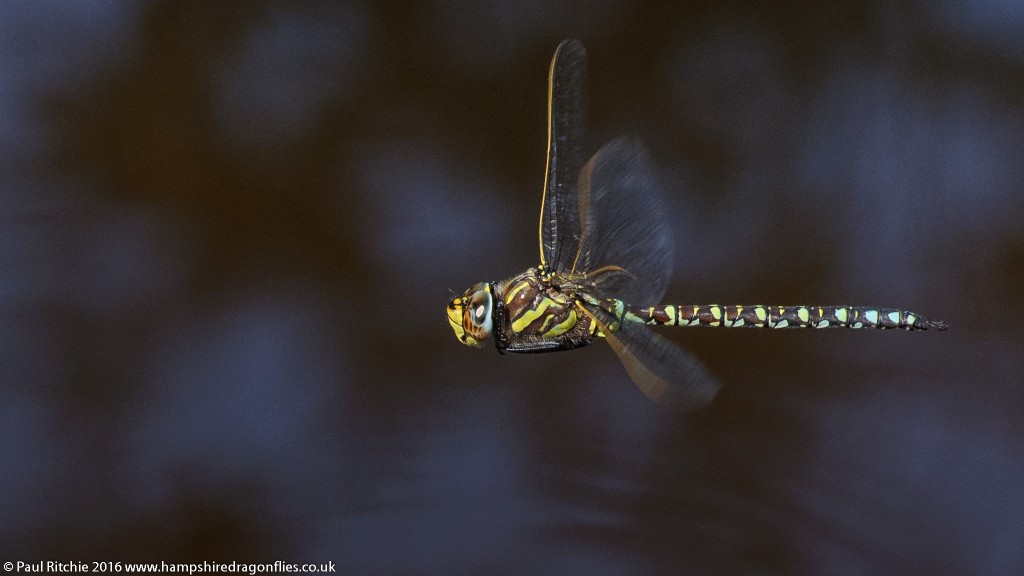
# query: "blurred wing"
562,223
628,225
662,370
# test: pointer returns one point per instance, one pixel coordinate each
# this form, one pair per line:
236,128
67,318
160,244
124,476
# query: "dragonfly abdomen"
761,316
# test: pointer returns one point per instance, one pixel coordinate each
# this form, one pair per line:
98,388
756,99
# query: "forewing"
628,225
564,217
662,370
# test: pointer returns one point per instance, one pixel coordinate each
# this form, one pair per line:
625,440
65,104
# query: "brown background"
228,231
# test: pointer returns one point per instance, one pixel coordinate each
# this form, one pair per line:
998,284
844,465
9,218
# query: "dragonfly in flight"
605,260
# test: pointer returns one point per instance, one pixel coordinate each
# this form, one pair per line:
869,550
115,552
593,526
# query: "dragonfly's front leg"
537,346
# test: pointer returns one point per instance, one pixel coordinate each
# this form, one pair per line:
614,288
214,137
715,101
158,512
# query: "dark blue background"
228,231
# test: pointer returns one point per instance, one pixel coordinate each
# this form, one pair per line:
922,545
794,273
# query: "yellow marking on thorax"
512,293
761,313
547,322
529,316
562,327
802,314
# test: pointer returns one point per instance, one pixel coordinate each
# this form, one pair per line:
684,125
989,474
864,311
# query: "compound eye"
480,308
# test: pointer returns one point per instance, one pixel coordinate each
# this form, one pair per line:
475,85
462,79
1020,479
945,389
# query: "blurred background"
228,231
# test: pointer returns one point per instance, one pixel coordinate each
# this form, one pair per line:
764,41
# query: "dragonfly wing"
628,224
662,370
563,217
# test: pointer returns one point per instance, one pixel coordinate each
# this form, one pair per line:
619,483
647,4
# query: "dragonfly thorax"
530,312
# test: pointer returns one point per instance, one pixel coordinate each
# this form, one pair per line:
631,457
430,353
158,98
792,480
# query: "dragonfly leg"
539,346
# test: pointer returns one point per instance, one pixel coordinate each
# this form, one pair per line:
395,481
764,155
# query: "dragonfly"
605,262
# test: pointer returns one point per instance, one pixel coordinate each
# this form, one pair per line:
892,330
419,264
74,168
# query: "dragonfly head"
470,314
